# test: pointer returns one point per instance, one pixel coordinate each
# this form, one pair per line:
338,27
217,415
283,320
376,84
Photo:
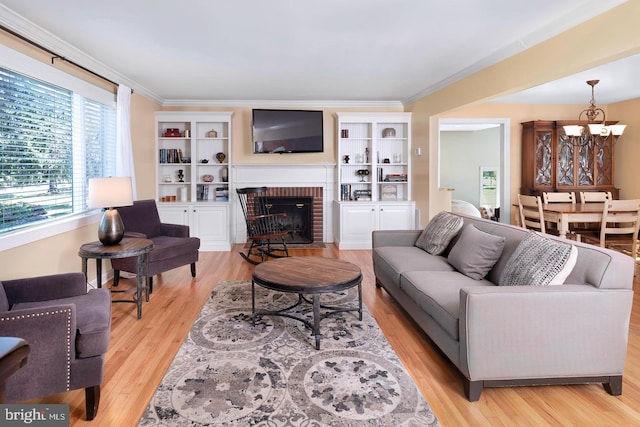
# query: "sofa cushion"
142,217
391,261
93,319
438,294
166,247
439,232
537,261
475,252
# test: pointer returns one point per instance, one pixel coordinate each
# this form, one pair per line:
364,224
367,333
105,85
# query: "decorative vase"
220,157
224,174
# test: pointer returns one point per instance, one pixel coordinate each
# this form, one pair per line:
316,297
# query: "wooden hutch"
552,162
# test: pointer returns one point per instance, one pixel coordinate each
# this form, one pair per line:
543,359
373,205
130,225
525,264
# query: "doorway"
470,148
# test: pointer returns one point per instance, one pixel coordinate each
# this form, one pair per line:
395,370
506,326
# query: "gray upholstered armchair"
172,246
68,332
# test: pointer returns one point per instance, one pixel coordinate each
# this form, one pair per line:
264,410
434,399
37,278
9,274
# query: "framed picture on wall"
489,186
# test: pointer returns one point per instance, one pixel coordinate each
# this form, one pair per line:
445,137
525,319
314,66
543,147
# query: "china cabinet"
552,161
192,173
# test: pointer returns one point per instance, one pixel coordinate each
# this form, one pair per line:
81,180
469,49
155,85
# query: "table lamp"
107,193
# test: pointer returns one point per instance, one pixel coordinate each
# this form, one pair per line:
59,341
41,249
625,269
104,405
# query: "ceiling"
359,51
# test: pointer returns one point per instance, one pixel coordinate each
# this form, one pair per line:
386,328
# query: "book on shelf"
345,192
170,155
222,194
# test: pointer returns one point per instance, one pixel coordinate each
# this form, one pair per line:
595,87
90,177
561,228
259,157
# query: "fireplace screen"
299,221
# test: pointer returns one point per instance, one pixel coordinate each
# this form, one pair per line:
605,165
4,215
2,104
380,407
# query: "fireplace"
312,197
299,221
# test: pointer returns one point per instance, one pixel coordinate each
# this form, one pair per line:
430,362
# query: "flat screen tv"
287,131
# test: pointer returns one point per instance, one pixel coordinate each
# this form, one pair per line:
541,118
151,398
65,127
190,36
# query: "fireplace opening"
299,221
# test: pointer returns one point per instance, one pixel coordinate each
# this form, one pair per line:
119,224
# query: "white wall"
461,155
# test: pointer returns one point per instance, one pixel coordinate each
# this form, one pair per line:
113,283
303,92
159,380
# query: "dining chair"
559,197
593,197
531,215
619,228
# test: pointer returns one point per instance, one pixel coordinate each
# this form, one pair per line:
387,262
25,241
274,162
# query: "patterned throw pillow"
439,232
476,252
539,261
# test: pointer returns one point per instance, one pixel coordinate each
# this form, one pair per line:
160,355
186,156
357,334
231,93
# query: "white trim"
35,232
280,103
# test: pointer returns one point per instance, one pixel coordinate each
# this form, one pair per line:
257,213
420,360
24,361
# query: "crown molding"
280,103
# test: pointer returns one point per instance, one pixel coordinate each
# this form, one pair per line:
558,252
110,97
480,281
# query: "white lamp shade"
573,130
110,192
617,130
596,128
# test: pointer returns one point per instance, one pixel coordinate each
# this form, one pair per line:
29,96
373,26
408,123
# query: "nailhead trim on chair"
68,337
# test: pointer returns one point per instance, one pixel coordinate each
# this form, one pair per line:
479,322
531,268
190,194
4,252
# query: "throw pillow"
475,252
567,268
439,232
537,261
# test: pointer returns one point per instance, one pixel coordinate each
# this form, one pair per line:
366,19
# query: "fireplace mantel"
286,175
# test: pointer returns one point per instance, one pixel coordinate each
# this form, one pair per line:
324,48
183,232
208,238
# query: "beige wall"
626,168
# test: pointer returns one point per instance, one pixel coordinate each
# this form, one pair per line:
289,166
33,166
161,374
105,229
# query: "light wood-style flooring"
141,350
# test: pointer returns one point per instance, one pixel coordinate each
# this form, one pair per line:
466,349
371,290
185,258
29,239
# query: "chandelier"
593,124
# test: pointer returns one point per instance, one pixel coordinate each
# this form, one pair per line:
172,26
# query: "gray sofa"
514,335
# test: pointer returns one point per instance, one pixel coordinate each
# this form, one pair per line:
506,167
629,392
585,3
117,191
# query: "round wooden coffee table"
308,277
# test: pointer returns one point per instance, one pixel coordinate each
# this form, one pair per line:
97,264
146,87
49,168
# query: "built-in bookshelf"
193,150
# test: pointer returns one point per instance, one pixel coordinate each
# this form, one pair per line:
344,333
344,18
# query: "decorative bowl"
207,178
388,132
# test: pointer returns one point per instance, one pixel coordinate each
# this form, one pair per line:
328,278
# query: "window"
52,140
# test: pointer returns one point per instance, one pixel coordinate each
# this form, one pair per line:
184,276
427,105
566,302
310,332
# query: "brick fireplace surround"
318,201
290,180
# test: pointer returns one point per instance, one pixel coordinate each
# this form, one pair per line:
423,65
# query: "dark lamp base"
111,228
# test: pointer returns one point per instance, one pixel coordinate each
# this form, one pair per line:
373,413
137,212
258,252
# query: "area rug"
230,373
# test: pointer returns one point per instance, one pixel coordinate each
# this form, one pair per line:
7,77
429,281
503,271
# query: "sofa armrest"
51,334
174,230
395,237
543,331
45,288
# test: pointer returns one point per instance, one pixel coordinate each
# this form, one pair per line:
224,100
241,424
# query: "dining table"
563,214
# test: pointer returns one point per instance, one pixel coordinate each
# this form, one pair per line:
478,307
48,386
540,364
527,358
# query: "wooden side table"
128,247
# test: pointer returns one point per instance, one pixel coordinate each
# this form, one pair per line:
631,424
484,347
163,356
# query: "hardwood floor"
141,350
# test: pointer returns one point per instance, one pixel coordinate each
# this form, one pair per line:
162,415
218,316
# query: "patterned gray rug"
230,373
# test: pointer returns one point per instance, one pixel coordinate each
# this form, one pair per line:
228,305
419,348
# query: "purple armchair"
68,332
172,246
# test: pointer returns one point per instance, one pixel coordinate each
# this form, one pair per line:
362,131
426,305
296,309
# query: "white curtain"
124,147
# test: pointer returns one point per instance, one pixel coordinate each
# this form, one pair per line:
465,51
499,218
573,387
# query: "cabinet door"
211,225
174,214
396,217
357,222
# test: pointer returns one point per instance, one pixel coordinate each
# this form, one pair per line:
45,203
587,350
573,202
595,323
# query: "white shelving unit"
373,176
192,173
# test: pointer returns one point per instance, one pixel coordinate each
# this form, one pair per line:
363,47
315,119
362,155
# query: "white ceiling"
199,51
